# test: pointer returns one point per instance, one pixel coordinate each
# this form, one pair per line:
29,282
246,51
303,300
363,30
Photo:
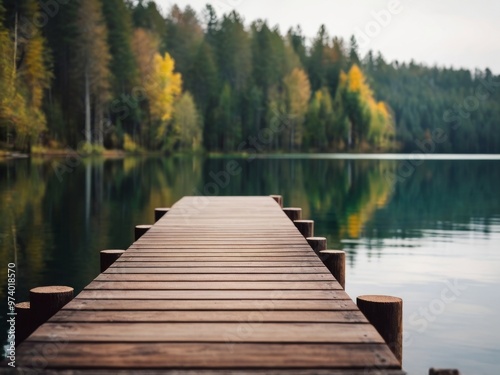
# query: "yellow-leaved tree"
163,89
7,75
370,121
23,82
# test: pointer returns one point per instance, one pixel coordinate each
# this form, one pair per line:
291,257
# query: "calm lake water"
431,237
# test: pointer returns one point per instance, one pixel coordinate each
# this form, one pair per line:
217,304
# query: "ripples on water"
437,233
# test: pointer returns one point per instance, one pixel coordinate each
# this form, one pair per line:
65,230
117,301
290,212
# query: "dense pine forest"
114,74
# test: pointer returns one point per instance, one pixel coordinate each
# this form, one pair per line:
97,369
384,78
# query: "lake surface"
430,234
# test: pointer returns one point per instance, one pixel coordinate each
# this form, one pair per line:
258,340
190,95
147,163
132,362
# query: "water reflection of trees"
56,228
354,199
22,190
444,195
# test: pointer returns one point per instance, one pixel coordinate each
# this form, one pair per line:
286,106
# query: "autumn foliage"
120,74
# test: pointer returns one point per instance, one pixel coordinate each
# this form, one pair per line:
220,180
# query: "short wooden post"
317,243
278,199
45,301
305,227
24,322
140,230
436,371
334,260
386,315
108,257
160,212
293,213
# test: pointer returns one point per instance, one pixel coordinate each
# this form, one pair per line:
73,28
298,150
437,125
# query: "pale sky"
458,33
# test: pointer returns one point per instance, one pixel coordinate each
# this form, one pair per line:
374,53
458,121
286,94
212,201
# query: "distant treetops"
118,74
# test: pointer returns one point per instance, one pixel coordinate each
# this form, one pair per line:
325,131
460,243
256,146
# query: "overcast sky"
458,33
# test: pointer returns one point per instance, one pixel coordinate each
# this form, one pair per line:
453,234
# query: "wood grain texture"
152,277
217,286
212,294
208,332
214,285
209,305
200,371
220,316
292,269
212,355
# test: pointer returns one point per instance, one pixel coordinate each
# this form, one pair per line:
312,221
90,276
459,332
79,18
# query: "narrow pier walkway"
217,286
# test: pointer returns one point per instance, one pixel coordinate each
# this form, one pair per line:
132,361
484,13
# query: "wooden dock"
217,286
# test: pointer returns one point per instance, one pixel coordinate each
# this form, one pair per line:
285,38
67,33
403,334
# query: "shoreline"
62,153
118,154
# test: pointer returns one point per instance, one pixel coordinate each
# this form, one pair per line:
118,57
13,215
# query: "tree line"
119,74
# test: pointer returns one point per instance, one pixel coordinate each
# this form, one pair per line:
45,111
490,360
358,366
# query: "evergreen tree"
184,37
93,59
123,67
228,123
354,52
147,16
145,46
120,32
319,119
233,52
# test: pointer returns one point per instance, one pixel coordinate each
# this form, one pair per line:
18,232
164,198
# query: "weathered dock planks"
222,285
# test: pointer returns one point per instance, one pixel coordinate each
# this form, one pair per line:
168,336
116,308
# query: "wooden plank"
215,234
193,264
212,294
214,285
211,356
218,253
299,316
223,230
215,243
219,259
242,248
215,277
209,305
335,333
219,270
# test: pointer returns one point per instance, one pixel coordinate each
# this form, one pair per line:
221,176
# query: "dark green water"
432,238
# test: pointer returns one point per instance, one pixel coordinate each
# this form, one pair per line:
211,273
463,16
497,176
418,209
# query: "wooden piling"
45,301
435,371
385,313
140,230
317,243
160,212
293,213
108,257
334,260
305,227
24,322
278,199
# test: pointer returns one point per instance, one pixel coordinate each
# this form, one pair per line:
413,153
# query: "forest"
121,75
